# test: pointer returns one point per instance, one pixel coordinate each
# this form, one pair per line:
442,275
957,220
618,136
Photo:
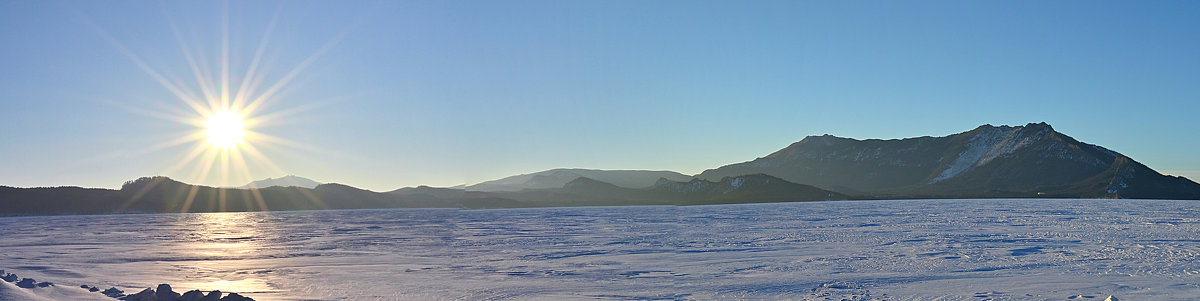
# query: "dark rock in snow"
144,295
113,292
235,297
164,293
212,296
192,295
26,283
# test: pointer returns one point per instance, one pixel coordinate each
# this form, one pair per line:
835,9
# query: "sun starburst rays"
227,105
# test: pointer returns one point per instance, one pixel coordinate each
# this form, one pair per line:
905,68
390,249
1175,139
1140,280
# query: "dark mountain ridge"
164,195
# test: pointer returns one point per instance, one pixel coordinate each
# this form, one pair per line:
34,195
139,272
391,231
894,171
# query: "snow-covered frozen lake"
896,250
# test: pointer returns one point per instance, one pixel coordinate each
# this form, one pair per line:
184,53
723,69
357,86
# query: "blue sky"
382,95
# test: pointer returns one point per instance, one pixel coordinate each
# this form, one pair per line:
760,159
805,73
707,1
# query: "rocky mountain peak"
988,161
1029,128
825,139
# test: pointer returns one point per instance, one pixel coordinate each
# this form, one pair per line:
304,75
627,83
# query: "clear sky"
382,95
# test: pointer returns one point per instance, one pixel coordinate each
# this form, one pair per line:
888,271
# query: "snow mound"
32,290
10,291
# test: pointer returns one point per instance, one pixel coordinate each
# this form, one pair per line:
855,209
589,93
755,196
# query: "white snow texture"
860,250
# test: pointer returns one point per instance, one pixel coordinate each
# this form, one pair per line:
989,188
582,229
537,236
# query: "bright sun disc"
225,129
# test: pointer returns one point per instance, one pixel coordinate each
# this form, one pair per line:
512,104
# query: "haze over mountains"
1027,161
284,181
556,178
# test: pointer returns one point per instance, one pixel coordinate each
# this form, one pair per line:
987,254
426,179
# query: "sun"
225,129
228,105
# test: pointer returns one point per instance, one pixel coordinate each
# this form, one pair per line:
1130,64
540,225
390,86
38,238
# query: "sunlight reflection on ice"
227,240
243,286
221,234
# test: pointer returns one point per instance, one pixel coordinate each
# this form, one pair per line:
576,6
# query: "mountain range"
164,195
1027,161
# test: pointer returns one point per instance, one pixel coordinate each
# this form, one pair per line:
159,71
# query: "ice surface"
894,250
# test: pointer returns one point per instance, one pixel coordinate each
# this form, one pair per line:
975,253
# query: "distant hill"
556,178
990,161
285,181
757,188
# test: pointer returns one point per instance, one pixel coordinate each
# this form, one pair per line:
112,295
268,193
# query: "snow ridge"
977,148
